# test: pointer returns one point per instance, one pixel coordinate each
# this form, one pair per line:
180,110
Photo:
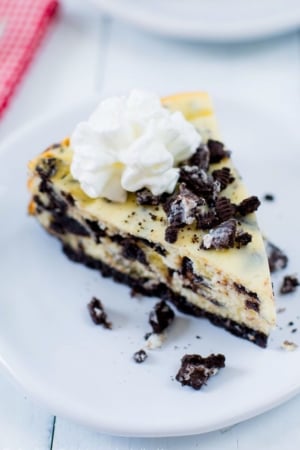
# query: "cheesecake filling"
153,265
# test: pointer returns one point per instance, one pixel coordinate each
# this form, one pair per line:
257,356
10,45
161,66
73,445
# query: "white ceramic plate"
212,20
50,346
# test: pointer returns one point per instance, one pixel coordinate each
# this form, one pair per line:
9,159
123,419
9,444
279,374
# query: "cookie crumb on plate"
97,313
196,370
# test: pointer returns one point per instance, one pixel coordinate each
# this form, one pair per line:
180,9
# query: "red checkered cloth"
22,25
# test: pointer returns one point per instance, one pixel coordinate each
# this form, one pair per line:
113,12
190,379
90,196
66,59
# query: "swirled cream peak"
129,143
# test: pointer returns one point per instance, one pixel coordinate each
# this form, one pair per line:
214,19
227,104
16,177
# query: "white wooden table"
85,53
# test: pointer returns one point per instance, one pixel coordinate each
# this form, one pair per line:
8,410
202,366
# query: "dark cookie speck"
277,259
161,317
200,182
269,197
98,315
140,356
289,284
196,370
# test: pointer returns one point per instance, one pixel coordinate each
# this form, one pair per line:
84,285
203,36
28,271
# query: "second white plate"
210,20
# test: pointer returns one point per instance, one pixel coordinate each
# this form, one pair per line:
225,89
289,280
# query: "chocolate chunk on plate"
276,257
289,284
196,370
97,313
140,356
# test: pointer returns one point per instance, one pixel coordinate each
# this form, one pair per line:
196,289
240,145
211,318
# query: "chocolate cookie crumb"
224,177
145,197
248,205
140,356
207,220
242,239
161,317
225,209
196,370
200,158
97,313
281,310
221,237
289,284
277,259
269,197
217,151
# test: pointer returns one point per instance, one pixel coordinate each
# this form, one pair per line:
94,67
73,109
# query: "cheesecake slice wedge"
199,247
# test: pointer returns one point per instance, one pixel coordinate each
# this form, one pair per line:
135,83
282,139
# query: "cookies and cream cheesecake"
145,192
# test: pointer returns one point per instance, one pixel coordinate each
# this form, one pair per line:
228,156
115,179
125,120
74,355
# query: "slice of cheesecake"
199,247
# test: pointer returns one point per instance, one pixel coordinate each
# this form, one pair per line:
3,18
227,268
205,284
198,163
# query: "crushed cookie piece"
140,356
269,197
97,313
277,259
181,208
153,216
248,205
294,330
242,239
207,220
225,209
281,310
200,158
145,197
196,370
289,284
224,177
221,237
289,346
199,182
217,151
161,317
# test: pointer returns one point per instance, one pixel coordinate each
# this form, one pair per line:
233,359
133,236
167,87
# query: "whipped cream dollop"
130,143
